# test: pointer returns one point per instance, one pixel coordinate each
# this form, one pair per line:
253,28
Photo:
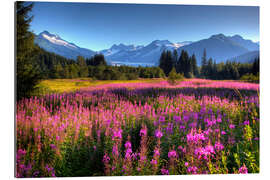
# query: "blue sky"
99,26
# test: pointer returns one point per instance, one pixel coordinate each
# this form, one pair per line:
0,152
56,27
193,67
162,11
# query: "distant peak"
45,32
161,42
49,34
238,36
218,36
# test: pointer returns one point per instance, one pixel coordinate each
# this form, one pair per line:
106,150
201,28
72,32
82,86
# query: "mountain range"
219,47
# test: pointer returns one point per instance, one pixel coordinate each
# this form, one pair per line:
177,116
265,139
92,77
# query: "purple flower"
192,169
158,133
186,118
195,137
128,145
177,119
231,126
172,154
128,153
165,171
156,152
117,134
243,169
219,146
210,149
246,122
52,146
161,119
143,132
219,119
106,158
186,164
153,162
256,139
204,152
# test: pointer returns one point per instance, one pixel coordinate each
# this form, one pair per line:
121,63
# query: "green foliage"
250,77
27,70
166,62
174,77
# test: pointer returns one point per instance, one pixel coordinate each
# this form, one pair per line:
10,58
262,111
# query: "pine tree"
184,64
27,71
204,64
175,57
209,69
166,62
194,66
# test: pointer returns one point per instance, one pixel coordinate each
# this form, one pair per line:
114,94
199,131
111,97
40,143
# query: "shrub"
251,77
174,77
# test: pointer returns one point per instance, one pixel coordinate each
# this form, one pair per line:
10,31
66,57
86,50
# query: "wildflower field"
140,128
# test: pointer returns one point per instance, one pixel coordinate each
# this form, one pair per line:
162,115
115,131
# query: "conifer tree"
204,64
27,70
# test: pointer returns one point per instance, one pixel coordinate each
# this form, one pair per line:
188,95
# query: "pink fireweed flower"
128,144
158,133
223,132
186,164
195,137
192,169
128,153
164,171
156,152
143,132
219,146
117,134
172,154
182,127
210,149
153,162
231,126
204,153
219,119
177,119
161,119
243,170
106,158
52,146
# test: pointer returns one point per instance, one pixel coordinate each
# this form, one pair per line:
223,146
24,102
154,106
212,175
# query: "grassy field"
71,85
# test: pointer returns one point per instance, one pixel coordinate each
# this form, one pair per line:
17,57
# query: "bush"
251,78
174,77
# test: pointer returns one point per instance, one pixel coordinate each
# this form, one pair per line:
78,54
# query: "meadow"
139,127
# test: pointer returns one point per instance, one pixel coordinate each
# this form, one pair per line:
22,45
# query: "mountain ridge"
218,46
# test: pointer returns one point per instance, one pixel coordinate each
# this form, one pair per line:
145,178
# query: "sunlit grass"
71,85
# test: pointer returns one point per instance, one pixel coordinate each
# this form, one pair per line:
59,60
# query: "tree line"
209,69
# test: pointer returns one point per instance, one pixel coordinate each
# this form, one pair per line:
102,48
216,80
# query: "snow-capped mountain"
54,43
219,47
148,54
118,48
